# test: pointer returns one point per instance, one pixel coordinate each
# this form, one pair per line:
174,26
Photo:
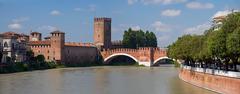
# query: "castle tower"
57,40
35,36
102,32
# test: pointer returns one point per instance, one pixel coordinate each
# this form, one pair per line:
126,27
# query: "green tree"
153,40
233,46
231,22
40,58
217,47
135,39
30,55
140,38
1,55
148,39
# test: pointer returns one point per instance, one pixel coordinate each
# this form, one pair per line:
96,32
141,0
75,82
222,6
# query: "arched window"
5,44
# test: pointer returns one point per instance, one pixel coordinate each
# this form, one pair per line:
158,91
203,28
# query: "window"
13,46
48,51
5,44
48,57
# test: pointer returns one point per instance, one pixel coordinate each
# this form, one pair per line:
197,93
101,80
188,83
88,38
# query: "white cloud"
197,30
198,5
47,28
224,13
21,19
55,13
159,26
171,12
130,2
15,26
136,27
90,8
162,1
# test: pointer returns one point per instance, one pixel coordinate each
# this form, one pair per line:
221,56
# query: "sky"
168,19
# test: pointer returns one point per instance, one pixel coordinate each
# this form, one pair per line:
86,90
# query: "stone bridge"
146,56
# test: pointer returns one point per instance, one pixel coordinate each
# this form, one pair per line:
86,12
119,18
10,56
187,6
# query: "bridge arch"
120,54
165,57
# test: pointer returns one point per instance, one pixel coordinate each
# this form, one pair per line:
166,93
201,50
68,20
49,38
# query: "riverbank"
23,67
226,83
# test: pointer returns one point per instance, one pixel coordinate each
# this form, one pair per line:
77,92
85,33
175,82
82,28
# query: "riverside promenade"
226,82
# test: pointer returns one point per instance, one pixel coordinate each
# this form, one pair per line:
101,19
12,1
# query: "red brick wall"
220,84
78,54
45,50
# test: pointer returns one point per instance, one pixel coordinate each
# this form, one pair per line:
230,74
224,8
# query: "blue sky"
169,19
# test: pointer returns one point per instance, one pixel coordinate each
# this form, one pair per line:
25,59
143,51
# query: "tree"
40,58
233,46
148,39
1,55
217,47
135,39
153,40
30,55
140,38
231,22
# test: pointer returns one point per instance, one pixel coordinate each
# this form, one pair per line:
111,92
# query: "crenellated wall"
144,56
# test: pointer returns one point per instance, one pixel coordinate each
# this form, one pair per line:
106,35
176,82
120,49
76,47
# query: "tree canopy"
139,38
217,48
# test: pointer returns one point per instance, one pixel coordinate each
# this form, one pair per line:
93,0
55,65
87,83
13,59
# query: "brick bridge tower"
102,33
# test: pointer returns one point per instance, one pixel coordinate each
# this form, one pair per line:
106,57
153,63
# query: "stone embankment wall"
216,80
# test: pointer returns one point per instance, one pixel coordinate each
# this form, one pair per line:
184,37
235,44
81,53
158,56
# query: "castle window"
38,51
48,57
13,46
5,44
48,51
98,35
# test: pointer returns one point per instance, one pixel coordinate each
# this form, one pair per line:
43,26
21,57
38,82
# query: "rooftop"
39,42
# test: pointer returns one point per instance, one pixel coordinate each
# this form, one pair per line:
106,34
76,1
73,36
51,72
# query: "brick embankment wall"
220,84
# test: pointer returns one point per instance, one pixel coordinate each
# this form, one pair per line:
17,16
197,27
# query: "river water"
98,80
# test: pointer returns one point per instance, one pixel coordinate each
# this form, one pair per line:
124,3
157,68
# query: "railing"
214,71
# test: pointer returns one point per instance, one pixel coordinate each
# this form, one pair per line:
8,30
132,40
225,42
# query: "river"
98,80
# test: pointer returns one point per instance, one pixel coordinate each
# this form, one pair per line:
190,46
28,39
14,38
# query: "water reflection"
98,80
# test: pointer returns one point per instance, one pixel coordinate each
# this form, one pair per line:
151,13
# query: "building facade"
13,47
